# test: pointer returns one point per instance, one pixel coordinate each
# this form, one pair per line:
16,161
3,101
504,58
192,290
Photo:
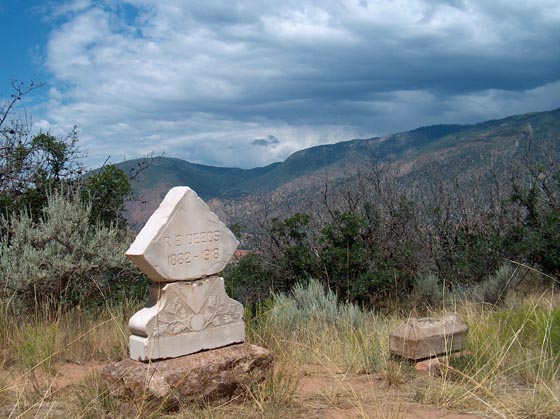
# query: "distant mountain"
450,146
208,181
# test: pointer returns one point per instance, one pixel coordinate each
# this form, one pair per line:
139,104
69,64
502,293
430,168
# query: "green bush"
429,290
107,190
62,260
312,302
493,289
248,280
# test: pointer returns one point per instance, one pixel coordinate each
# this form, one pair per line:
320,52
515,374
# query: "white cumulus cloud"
201,80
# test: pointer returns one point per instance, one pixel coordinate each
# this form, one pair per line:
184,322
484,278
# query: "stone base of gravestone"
205,377
186,317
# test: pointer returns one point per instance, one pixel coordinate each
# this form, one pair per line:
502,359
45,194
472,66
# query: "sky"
247,83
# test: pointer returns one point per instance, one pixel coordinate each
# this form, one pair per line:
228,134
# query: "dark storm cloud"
196,79
265,142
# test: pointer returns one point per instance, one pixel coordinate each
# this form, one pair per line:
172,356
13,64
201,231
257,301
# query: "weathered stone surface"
198,378
425,338
185,317
182,240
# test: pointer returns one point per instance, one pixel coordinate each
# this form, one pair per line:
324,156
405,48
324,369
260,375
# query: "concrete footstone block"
419,339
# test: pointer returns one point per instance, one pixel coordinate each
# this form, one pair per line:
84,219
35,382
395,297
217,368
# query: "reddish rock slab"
434,366
200,378
429,366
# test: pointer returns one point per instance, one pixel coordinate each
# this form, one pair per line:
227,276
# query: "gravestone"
183,240
182,248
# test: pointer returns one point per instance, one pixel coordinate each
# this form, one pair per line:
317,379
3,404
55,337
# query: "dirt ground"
323,394
336,395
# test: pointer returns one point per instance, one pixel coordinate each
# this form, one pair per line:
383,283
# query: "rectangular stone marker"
425,338
181,247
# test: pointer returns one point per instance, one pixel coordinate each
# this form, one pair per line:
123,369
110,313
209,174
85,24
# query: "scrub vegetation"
329,355
322,289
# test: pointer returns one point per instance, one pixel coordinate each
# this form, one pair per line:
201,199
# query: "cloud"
265,142
196,79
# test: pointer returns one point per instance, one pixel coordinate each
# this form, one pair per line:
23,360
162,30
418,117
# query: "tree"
537,240
32,165
107,190
293,254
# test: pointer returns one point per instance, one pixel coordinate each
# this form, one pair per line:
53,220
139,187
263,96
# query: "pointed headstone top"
183,240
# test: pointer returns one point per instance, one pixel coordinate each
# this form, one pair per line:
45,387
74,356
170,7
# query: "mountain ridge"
423,144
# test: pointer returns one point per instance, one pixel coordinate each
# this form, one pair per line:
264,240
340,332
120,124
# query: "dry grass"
35,347
512,369
512,366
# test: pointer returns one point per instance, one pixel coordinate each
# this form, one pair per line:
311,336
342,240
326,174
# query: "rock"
428,337
182,318
210,376
430,366
434,366
182,240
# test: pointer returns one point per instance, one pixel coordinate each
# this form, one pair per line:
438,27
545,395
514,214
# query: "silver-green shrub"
315,325
494,289
312,302
428,289
62,260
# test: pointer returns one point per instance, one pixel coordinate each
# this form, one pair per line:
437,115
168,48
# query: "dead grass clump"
41,342
397,372
94,399
540,403
445,393
512,366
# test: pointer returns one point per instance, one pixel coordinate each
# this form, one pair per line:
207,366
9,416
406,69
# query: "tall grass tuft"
311,325
512,366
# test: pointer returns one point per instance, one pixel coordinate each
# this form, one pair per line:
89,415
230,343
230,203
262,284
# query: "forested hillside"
421,156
